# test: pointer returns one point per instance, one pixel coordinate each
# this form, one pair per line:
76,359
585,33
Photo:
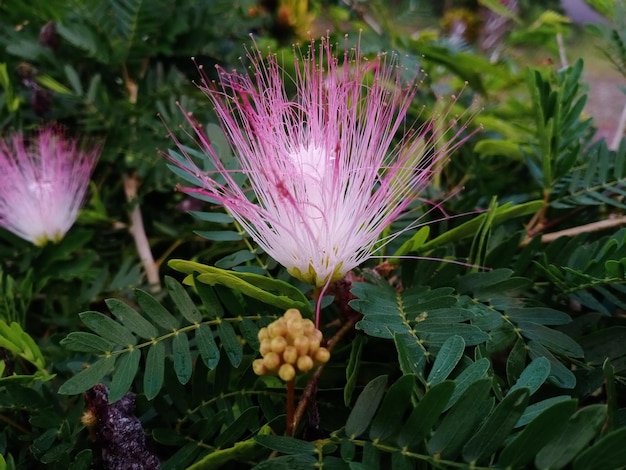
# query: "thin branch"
619,132
311,386
137,230
587,228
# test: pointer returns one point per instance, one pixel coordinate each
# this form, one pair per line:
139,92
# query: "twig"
137,230
311,386
290,408
587,228
619,132
562,54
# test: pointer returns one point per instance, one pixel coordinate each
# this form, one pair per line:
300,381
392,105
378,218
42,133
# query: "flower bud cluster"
290,345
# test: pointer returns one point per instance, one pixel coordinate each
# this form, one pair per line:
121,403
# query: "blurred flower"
42,184
326,173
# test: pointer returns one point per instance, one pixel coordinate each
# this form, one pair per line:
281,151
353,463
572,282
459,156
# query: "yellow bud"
277,328
263,334
290,355
286,372
279,344
301,343
294,329
317,334
305,363
308,327
258,367
271,361
322,356
266,346
292,313
314,346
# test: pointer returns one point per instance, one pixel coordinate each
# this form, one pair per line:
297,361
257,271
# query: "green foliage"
120,343
501,348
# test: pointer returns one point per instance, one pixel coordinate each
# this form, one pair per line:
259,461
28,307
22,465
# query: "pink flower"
319,155
42,184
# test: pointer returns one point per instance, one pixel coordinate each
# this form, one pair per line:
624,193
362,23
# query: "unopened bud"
305,363
301,343
292,314
322,356
290,355
263,334
265,347
308,327
278,328
286,372
272,361
258,366
279,343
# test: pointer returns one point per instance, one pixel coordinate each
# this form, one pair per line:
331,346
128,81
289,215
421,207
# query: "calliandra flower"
43,181
326,174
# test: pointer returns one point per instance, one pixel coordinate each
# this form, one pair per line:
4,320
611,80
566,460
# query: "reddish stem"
290,408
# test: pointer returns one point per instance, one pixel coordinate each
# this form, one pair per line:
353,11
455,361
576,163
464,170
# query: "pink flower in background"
42,184
319,155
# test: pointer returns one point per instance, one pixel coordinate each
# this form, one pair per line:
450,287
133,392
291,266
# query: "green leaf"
447,358
396,402
155,368
181,356
411,353
132,319
434,334
497,427
216,217
108,328
74,80
460,421
209,299
88,377
352,369
247,420
425,414
468,229
250,332
516,361
182,300
286,444
209,352
467,377
86,342
536,435
540,315
230,343
533,376
124,374
608,453
241,452
534,410
365,407
581,428
498,147
605,343
253,285
220,235
157,313
554,340
559,374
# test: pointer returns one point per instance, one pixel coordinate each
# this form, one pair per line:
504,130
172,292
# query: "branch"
587,228
137,230
311,386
